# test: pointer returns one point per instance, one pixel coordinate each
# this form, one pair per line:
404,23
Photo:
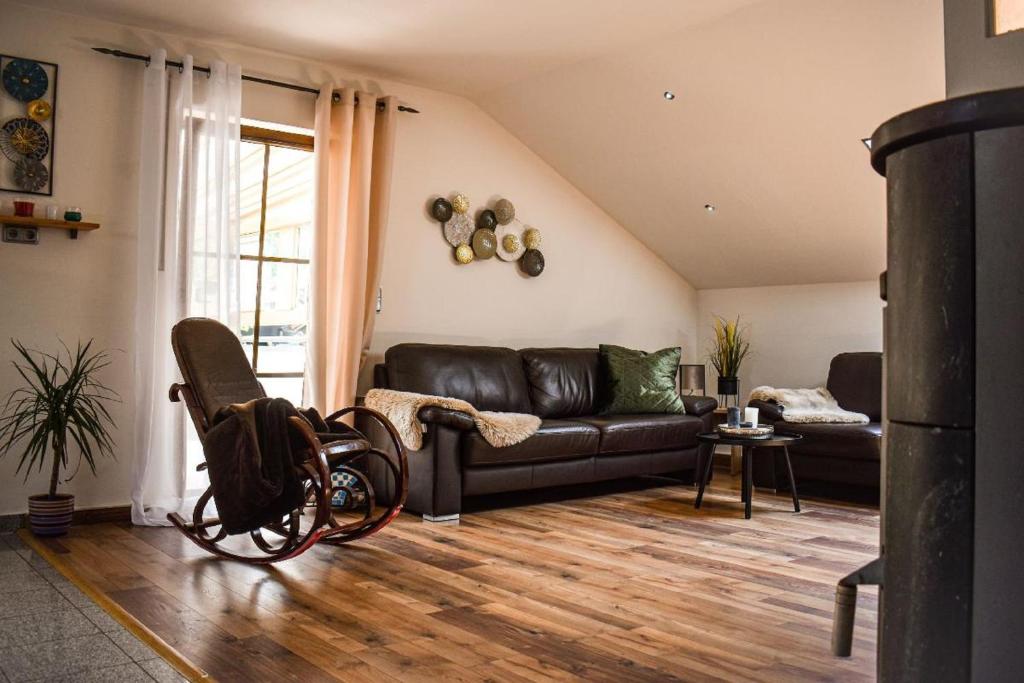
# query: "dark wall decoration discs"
532,262
30,174
504,211
498,233
484,243
441,210
28,110
24,79
458,230
486,220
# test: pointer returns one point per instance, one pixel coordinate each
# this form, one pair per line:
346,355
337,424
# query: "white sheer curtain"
188,255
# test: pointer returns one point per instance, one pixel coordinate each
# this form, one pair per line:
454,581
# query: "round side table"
748,444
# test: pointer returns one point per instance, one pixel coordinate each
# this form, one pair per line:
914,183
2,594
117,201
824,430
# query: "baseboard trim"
182,665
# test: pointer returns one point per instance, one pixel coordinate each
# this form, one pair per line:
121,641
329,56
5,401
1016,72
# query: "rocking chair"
217,374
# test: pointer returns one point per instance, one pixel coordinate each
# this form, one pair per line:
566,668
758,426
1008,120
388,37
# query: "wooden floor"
628,586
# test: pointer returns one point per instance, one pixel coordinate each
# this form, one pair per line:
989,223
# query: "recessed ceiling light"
710,208
669,95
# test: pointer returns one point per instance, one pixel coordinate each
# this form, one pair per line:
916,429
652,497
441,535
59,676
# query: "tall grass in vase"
727,352
60,406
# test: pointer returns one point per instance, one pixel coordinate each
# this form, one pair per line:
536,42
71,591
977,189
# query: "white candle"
750,415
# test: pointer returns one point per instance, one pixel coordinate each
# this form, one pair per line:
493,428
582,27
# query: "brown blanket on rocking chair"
251,456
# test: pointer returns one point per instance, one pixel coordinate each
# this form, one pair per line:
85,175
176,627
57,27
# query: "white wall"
794,331
601,284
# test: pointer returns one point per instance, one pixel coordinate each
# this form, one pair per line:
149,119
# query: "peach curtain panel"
354,147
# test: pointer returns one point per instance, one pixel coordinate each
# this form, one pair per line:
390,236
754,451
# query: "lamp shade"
691,378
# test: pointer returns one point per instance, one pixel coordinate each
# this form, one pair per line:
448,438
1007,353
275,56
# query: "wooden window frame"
269,138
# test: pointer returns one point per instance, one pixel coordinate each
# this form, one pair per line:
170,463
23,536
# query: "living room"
510,341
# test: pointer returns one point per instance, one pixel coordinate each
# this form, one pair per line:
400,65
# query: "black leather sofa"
844,454
574,445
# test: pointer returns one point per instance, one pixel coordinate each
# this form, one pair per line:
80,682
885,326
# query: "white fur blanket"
808,405
402,408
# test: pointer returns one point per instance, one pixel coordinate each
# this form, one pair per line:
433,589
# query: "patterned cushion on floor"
338,480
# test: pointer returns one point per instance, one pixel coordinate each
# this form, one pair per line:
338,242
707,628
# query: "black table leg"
743,476
792,482
748,478
710,456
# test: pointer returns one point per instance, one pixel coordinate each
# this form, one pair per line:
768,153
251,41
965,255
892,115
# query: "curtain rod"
253,79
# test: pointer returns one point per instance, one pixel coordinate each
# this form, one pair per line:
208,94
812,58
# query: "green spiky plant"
61,404
729,348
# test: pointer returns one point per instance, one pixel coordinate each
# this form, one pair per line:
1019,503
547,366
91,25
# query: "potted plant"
61,405
727,353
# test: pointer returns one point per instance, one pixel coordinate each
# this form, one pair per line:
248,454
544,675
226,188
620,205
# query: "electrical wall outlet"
20,234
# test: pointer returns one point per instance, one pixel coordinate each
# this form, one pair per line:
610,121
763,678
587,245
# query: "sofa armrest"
456,419
768,411
699,405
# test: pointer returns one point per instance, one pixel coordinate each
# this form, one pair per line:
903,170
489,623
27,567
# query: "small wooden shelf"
72,226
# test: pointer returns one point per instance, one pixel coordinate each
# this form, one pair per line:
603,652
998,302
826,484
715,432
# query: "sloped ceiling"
771,103
459,46
772,99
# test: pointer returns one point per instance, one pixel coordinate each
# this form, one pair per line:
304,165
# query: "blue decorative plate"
25,80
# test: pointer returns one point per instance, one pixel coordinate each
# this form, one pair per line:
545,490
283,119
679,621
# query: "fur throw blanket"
808,405
403,407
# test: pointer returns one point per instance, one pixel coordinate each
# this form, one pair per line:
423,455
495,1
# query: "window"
276,240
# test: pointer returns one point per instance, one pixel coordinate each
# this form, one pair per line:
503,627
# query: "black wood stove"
952,562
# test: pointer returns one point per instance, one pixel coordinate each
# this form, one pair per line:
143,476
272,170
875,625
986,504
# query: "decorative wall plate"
464,254
531,238
486,220
532,262
510,244
23,137
441,210
25,80
484,243
30,175
460,203
504,211
39,110
458,230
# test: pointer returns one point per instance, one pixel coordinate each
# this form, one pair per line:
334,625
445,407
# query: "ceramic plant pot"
50,516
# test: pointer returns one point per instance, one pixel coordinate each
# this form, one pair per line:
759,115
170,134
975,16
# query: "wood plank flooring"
633,585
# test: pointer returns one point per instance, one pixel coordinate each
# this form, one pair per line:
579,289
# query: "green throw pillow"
639,382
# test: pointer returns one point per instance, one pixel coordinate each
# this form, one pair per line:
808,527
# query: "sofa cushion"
555,440
852,442
855,380
488,377
646,433
640,382
563,382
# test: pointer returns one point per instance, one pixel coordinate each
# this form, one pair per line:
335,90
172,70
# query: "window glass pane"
247,305
284,298
251,201
283,387
289,203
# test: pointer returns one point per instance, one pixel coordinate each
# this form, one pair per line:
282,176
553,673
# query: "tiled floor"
50,630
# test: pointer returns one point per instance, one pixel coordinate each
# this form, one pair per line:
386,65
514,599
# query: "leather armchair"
837,455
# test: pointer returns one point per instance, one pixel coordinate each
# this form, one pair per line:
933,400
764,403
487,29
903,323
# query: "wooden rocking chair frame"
335,452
